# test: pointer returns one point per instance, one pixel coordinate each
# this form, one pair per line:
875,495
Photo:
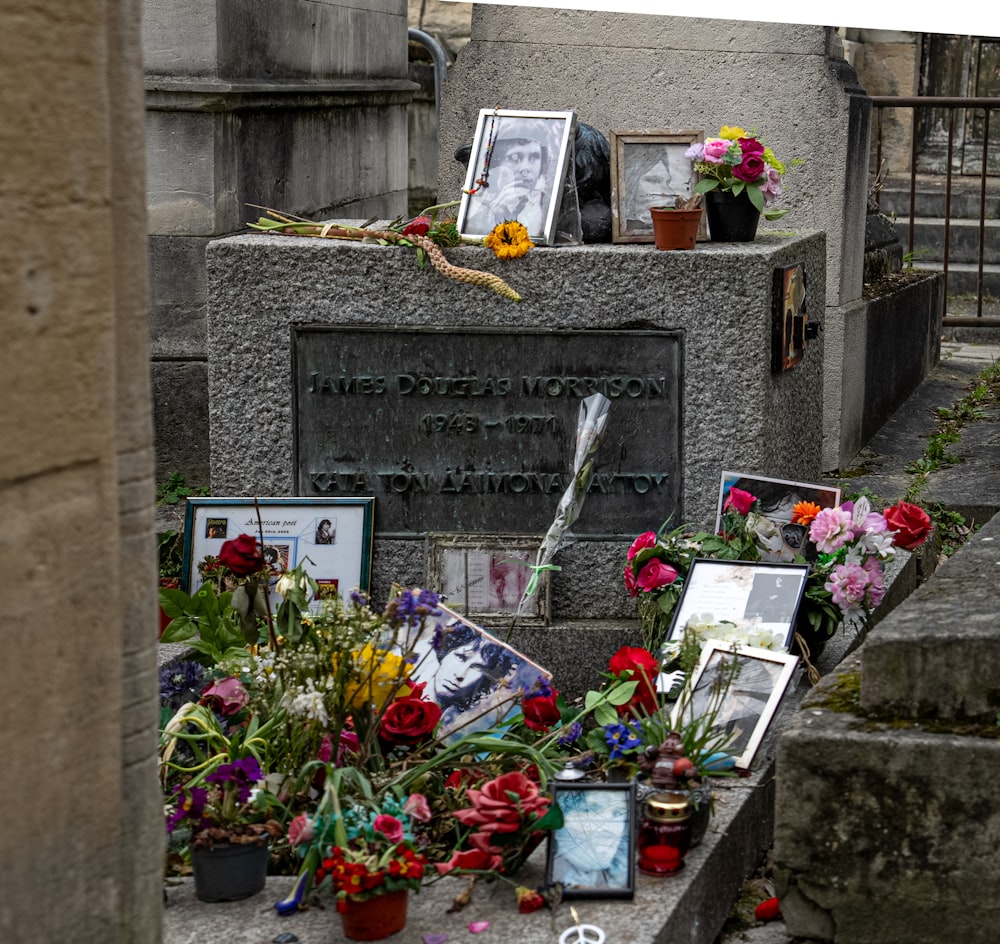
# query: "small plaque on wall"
790,317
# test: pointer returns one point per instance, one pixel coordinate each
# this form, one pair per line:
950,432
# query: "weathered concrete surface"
938,656
886,833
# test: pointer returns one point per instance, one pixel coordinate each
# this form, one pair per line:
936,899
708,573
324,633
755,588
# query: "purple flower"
831,529
358,599
771,188
540,688
572,733
876,582
243,774
190,805
180,679
621,738
696,152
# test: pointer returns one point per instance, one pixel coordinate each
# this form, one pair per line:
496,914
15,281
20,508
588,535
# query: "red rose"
751,169
647,539
418,226
528,900
504,804
630,584
409,720
540,711
910,522
751,146
739,501
634,662
655,574
241,556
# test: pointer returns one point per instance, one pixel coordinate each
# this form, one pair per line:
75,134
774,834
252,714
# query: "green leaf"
738,188
756,197
605,714
553,819
622,693
705,185
774,214
179,629
591,699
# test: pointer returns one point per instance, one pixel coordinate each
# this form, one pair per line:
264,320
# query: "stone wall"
298,106
81,849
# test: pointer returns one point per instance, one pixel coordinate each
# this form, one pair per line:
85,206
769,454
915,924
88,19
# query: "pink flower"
472,859
739,501
503,804
416,807
325,751
876,582
831,529
227,696
647,539
388,826
716,149
655,574
847,585
349,744
300,829
771,188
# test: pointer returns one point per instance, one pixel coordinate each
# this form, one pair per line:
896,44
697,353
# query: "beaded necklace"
483,181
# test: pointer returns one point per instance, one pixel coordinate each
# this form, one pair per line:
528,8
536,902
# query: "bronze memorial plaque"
474,430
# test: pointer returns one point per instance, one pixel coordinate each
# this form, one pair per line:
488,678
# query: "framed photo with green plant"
330,537
649,169
592,855
516,171
755,600
735,690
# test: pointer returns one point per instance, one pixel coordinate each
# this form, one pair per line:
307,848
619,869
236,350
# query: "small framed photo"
484,576
649,169
516,172
593,854
778,498
331,537
475,678
739,690
760,597
790,317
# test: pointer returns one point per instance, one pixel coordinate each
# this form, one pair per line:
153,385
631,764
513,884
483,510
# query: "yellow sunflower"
509,240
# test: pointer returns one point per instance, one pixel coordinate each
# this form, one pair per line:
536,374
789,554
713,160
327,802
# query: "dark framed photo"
331,537
593,854
475,678
649,169
516,172
757,597
778,498
738,690
790,317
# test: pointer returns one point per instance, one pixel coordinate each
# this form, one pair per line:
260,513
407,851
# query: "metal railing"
954,106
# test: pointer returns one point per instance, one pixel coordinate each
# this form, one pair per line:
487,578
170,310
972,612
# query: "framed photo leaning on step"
330,537
516,171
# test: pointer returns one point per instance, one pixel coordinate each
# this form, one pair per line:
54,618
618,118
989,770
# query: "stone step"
963,239
963,277
930,200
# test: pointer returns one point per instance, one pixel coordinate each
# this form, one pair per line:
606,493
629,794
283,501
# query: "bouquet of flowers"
738,161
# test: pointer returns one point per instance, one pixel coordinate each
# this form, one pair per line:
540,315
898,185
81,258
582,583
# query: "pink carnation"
876,582
847,585
831,529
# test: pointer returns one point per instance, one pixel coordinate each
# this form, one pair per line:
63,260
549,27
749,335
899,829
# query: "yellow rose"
376,674
731,133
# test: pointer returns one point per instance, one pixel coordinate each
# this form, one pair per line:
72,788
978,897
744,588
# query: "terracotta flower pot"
675,229
375,918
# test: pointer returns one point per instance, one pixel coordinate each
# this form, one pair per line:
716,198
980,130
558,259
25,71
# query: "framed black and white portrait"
738,689
648,169
516,172
592,855
475,678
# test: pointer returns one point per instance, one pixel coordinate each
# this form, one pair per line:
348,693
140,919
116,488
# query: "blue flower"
573,731
621,738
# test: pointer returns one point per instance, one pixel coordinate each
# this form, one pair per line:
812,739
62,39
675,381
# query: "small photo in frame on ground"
649,169
751,595
471,675
777,499
516,171
790,316
330,537
593,854
739,689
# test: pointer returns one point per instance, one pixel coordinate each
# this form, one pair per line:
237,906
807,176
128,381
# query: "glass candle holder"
664,834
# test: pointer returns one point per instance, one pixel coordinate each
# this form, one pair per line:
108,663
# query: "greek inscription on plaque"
471,430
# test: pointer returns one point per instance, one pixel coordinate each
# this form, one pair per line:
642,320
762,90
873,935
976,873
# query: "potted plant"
217,796
170,550
676,227
740,177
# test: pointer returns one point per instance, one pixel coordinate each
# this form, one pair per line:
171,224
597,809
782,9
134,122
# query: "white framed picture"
738,690
516,172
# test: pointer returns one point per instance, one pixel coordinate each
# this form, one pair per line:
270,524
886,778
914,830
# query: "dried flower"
509,240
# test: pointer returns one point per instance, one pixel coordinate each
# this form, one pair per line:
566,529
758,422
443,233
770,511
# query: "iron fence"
967,110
